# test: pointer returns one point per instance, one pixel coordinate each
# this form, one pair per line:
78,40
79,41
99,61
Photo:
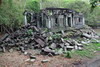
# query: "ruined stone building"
57,18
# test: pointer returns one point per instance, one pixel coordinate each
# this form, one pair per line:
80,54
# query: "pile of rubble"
30,37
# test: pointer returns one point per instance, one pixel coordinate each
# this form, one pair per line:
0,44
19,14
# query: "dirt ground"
16,59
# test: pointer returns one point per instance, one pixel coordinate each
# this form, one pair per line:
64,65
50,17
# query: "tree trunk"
0,2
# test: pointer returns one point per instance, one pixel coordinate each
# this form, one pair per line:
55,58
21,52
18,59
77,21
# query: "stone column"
25,19
83,21
31,17
49,23
71,20
42,19
66,21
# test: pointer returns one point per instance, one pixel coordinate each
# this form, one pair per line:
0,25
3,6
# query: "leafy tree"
10,14
94,3
33,5
83,7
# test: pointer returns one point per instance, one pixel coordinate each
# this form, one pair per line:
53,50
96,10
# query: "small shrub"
67,54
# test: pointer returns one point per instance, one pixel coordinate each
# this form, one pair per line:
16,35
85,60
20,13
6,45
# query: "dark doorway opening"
56,22
69,21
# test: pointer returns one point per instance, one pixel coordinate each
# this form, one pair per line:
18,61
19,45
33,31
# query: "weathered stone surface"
80,48
53,46
60,51
70,47
1,49
43,42
30,60
62,32
11,50
44,61
4,37
48,51
86,35
22,49
32,57
4,50
62,45
36,29
39,41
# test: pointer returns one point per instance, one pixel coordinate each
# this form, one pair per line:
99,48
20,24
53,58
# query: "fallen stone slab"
86,35
22,49
76,47
32,57
1,50
60,51
79,45
11,50
41,42
36,29
48,50
30,60
53,46
63,33
70,47
4,49
80,48
67,44
61,45
45,61
4,37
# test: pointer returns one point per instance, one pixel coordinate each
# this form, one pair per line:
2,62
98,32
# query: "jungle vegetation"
11,11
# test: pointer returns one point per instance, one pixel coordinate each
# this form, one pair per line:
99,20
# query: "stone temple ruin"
31,36
54,18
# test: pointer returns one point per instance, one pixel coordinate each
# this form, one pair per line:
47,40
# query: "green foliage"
29,32
56,36
96,46
79,6
53,3
88,50
85,8
11,10
10,14
67,54
33,5
66,38
94,3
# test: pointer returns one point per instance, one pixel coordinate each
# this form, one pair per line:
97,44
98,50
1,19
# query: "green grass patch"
56,36
67,54
97,46
66,38
88,51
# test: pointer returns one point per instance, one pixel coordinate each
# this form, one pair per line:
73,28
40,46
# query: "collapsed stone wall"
48,43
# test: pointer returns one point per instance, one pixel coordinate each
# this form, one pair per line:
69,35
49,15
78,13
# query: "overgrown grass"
87,52
97,46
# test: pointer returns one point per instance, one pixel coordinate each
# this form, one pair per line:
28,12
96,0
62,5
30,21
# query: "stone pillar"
31,17
66,21
42,19
38,22
25,19
83,21
52,21
48,22
61,21
71,20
